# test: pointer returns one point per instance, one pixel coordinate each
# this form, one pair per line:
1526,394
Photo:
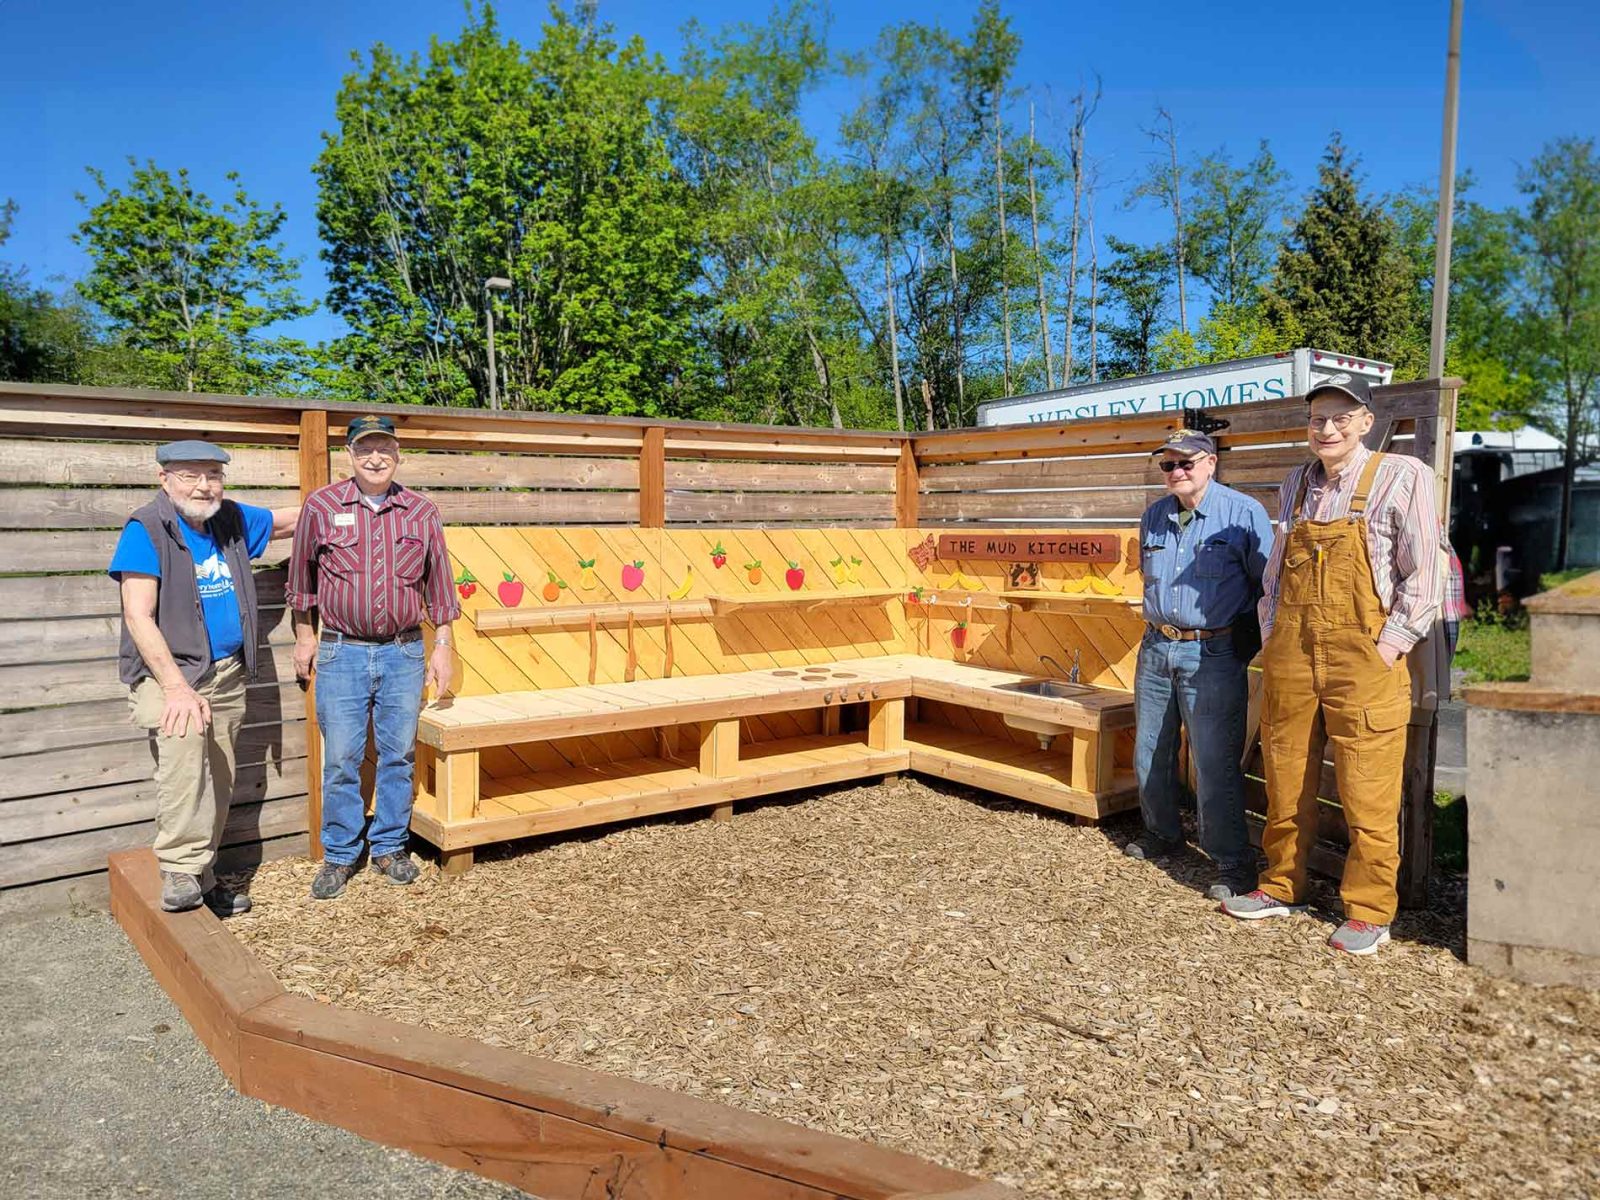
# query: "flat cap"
191,451
1353,386
367,426
1187,441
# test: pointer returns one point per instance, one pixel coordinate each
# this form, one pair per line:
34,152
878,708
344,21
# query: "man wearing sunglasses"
1203,549
190,637
369,556
1353,584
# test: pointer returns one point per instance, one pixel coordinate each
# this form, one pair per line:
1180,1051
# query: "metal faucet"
1072,675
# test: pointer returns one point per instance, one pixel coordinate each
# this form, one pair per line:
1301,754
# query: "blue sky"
250,87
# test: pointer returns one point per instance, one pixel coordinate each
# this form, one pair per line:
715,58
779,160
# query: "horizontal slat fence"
74,462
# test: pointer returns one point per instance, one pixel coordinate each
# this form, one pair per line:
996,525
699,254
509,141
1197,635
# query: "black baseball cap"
1346,384
1187,441
366,426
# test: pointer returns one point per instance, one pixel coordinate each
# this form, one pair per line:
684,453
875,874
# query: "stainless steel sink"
1048,689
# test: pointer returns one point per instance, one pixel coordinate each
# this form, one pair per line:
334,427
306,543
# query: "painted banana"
960,581
1076,587
1104,587
682,589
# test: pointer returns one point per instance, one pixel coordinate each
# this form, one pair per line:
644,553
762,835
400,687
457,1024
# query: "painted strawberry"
719,556
510,592
552,590
914,597
795,576
753,571
958,635
633,575
466,583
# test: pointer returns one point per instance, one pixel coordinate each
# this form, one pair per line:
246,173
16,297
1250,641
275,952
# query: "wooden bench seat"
458,807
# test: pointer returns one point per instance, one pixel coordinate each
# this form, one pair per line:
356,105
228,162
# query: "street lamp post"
495,283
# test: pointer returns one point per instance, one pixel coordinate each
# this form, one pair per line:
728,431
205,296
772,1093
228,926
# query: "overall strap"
1300,492
1369,473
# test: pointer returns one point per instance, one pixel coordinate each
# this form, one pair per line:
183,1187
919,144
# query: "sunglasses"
1168,465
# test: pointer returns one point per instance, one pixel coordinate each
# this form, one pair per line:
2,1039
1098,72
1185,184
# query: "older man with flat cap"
1354,582
1203,547
369,557
189,642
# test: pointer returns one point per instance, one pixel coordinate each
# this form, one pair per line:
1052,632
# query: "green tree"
190,286
1342,278
549,166
1233,217
1561,233
1136,283
42,339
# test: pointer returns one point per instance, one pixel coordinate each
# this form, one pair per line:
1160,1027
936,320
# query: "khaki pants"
194,773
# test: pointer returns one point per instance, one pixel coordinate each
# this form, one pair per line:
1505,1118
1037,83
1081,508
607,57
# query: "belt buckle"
1171,632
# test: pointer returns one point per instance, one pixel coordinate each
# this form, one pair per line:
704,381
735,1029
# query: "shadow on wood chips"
983,984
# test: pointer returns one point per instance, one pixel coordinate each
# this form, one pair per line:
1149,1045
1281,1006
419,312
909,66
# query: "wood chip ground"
984,985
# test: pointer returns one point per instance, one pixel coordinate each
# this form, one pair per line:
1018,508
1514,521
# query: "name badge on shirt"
342,519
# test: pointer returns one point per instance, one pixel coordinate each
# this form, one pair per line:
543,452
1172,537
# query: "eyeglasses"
191,478
1341,421
1169,465
360,452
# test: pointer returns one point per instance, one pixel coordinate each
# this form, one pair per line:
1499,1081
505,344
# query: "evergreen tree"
1135,283
1342,278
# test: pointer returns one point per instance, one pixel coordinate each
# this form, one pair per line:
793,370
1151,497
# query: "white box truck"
1264,377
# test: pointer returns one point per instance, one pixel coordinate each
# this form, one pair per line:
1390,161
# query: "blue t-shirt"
218,602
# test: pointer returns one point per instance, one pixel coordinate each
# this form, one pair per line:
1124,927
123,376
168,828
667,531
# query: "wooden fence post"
313,468
653,479
906,485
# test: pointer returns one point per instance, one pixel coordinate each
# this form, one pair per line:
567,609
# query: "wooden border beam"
314,470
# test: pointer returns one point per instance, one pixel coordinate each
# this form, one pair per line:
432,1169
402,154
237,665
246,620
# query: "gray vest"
178,613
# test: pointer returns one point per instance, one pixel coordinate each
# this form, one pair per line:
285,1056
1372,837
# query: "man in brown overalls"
1353,583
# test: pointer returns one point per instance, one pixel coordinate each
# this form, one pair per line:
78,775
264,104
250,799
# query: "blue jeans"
1202,685
355,683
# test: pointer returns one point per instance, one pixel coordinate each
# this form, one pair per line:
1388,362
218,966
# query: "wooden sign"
1033,548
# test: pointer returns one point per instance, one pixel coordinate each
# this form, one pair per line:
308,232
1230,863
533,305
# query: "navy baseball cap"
1187,441
1346,384
191,451
366,426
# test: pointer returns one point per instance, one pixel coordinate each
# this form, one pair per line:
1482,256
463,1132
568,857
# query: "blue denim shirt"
1204,575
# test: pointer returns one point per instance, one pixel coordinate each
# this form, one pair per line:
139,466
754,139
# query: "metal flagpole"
1447,197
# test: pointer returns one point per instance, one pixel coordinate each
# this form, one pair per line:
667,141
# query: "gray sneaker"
1256,905
1149,847
1359,937
396,868
180,891
227,903
331,879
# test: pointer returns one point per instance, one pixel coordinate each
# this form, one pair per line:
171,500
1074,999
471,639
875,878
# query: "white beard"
198,512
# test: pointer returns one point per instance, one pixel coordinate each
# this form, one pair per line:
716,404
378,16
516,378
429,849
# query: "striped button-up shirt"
1402,529
369,572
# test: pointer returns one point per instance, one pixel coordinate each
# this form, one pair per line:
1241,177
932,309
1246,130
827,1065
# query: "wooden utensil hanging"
594,649
633,654
666,665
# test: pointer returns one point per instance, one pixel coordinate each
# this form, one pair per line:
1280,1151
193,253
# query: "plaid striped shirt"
369,573
1402,539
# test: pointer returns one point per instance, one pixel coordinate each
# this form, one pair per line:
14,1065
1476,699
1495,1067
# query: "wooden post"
1091,760
886,724
313,468
653,479
906,487
719,757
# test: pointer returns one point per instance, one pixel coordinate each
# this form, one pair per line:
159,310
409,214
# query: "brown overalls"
1322,673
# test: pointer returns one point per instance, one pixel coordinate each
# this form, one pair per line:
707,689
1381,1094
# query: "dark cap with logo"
367,426
1346,384
191,451
1187,441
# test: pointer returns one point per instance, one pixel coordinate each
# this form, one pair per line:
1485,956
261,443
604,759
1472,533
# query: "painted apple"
795,576
510,591
633,576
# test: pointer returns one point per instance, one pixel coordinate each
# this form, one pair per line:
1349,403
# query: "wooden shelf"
724,603
575,797
1089,603
973,601
1012,769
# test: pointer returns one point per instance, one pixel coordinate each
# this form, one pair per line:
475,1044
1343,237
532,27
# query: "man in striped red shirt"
369,556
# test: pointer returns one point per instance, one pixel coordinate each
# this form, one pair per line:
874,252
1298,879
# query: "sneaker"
226,902
1253,906
396,868
180,891
1149,847
1359,937
1232,883
331,879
